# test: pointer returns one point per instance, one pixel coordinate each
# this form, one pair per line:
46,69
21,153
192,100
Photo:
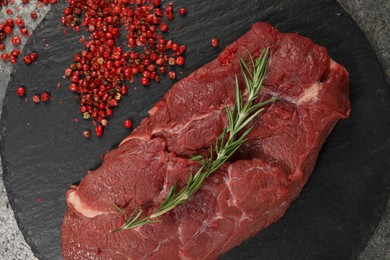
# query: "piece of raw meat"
246,194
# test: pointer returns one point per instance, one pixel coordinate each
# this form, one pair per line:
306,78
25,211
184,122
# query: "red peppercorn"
12,59
171,61
163,27
15,53
124,90
36,98
8,30
182,11
2,46
172,75
4,56
45,96
25,1
16,40
214,42
113,102
68,72
99,130
144,81
104,122
109,112
33,15
33,56
87,133
9,11
156,2
180,61
127,123
21,91
10,22
175,47
24,31
73,87
27,59
19,22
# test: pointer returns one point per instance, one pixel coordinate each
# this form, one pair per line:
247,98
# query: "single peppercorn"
128,123
19,22
33,56
8,30
180,61
10,22
21,91
144,81
24,31
45,96
4,56
215,42
182,11
99,130
36,98
33,15
16,40
163,27
104,122
27,59
87,133
172,75
15,53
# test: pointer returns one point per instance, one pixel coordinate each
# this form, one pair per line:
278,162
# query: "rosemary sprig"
226,145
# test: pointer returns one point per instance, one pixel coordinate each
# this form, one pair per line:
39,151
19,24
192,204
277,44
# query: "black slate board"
43,150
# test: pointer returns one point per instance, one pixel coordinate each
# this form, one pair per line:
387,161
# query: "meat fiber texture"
248,193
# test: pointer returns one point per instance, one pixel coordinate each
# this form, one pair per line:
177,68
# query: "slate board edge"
5,113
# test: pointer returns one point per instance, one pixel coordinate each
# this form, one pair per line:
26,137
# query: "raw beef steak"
246,194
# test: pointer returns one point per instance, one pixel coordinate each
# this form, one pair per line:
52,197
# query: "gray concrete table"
373,16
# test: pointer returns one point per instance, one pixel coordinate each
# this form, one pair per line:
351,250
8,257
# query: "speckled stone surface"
373,16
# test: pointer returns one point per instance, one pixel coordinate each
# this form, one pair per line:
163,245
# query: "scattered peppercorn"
4,56
33,56
15,53
36,98
8,30
104,122
180,61
182,11
19,22
27,59
128,123
172,75
24,31
215,42
87,133
21,91
33,15
99,130
16,40
45,96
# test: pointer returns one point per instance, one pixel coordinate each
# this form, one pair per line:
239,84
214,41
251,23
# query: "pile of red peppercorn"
98,74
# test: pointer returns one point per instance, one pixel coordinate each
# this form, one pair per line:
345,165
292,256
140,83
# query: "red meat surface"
248,193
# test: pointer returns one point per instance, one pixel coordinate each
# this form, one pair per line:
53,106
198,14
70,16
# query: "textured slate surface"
43,151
